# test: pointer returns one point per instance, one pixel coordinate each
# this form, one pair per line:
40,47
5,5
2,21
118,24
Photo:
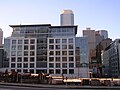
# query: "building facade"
82,56
47,49
22,57
61,56
67,18
111,59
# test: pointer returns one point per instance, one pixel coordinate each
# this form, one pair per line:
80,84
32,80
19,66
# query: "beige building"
91,37
91,42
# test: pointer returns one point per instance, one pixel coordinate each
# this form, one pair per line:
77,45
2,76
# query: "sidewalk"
59,86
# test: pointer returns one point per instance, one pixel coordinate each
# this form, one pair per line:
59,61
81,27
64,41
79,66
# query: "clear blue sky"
97,14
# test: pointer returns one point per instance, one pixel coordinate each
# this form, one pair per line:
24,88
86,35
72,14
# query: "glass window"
13,41
13,53
51,71
71,58
71,46
71,71
57,46
19,47
13,47
64,30
57,65
71,65
57,40
58,30
31,70
19,53
43,58
51,65
13,59
26,42
70,40
31,59
57,59
25,59
64,52
19,65
51,46
19,41
32,41
25,70
51,40
32,53
12,65
64,40
57,52
18,70
71,53
64,46
32,47
64,71
19,59
58,71
64,65
25,53
64,59
31,65
51,53
51,59
25,65
25,47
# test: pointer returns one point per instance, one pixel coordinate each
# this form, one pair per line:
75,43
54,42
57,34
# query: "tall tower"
1,36
67,18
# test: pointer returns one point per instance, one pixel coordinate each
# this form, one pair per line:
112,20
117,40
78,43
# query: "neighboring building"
103,33
4,64
99,49
67,18
90,34
48,49
97,41
82,56
1,57
91,37
98,37
111,59
1,37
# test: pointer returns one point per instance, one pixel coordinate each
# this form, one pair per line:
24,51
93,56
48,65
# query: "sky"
97,14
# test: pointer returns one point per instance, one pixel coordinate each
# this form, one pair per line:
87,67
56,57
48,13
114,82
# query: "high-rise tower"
1,36
67,18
